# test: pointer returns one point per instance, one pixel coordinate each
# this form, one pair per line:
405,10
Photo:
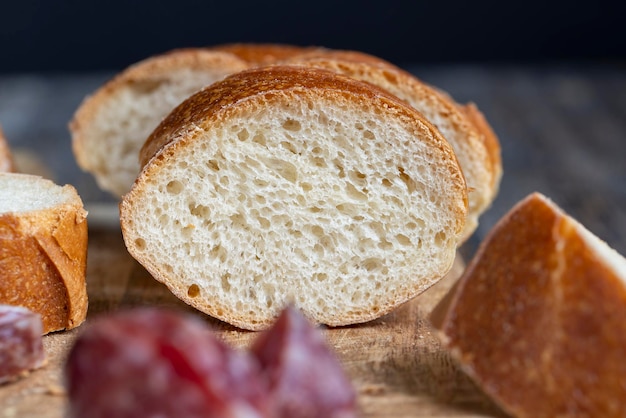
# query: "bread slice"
43,249
6,158
109,127
295,185
481,173
539,317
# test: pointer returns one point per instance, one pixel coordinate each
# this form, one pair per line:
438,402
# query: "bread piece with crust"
110,126
43,249
6,158
481,173
538,320
295,185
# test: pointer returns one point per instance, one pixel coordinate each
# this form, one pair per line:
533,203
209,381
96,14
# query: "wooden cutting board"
396,362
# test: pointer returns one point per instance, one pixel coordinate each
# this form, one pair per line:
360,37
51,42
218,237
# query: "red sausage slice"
21,345
150,362
305,378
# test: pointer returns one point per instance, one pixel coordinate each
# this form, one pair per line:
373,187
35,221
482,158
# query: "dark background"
75,36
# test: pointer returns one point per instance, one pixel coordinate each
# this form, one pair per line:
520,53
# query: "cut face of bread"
110,126
438,108
6,159
43,249
293,185
539,317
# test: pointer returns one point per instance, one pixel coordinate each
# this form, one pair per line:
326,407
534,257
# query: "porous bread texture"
6,159
481,173
538,319
110,126
293,185
43,249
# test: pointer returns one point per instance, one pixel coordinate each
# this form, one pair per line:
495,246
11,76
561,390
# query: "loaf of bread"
482,173
6,158
43,249
539,317
290,184
110,126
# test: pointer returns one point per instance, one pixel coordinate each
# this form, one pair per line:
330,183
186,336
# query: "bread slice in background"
538,320
482,171
43,249
6,158
295,185
110,126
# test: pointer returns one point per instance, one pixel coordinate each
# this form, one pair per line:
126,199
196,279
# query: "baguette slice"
539,317
481,173
295,185
43,249
6,158
109,127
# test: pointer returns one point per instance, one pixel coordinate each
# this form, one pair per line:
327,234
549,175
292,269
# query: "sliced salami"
151,363
305,378
21,345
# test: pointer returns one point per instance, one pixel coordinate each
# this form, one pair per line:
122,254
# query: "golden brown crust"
538,319
145,74
6,159
263,54
43,258
490,139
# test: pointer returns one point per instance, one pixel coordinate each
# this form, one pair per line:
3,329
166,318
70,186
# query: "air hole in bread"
347,209
200,211
292,125
225,283
188,230
358,177
193,291
387,183
140,243
264,222
320,277
319,249
239,221
369,135
306,187
410,183
319,162
355,194
243,135
259,139
213,165
372,264
146,87
283,168
174,187
403,239
440,238
359,126
224,181
289,146
218,252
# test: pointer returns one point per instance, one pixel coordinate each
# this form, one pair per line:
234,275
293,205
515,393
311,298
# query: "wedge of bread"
539,318
110,126
43,249
295,185
6,158
481,172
